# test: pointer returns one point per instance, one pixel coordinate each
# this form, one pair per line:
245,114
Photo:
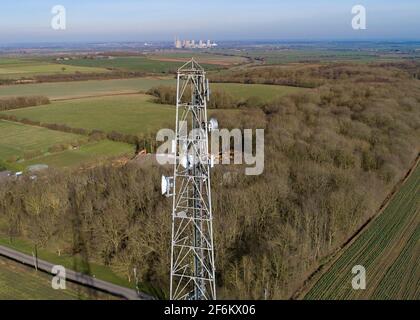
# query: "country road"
74,276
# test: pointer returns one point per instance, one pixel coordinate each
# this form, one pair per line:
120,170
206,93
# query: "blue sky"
138,20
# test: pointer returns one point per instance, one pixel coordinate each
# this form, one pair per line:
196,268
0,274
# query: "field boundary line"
37,82
128,93
334,256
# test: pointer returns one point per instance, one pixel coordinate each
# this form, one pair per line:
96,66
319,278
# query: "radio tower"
192,249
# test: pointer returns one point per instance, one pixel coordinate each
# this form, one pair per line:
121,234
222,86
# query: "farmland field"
284,55
78,89
133,63
262,91
288,56
131,114
91,153
202,58
128,114
18,68
389,250
18,139
68,261
19,282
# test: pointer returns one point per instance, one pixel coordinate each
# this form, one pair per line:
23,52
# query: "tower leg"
192,249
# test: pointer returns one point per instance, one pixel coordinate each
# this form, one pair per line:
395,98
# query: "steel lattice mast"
192,250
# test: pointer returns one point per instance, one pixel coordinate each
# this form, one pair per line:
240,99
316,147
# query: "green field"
71,262
18,139
389,250
134,114
75,262
128,114
91,153
22,283
200,57
262,91
77,89
133,63
14,68
131,114
288,56
18,282
283,55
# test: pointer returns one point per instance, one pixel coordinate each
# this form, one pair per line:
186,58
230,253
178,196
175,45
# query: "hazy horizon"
29,21
243,41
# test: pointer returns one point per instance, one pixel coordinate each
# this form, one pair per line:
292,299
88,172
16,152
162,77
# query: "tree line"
77,76
22,102
220,99
317,75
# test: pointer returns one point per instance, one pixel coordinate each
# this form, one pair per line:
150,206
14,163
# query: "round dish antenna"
213,124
